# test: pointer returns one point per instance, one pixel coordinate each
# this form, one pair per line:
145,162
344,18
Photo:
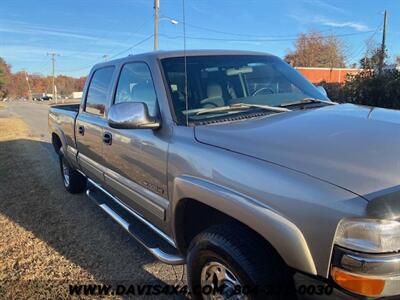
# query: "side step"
134,224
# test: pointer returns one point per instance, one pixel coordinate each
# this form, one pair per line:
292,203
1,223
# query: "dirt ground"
50,239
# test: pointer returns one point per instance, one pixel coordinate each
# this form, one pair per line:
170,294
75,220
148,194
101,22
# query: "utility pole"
53,61
156,11
383,46
29,86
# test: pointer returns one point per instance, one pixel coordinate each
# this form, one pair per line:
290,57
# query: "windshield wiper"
236,106
306,101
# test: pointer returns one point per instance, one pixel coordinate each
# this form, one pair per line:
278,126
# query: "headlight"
369,235
366,258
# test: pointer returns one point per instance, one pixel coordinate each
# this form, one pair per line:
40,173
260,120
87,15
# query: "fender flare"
57,131
283,235
69,152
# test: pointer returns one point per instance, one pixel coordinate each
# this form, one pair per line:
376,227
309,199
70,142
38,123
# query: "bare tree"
372,56
315,50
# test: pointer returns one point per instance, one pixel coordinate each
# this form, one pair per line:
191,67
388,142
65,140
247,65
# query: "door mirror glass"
131,115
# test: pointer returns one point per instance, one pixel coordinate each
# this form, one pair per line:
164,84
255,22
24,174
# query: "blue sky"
82,31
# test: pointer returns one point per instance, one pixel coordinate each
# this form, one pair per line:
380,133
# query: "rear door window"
99,88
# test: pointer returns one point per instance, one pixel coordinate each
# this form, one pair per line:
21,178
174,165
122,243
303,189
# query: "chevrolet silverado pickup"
234,164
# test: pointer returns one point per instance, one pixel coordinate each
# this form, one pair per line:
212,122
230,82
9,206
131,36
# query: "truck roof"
180,53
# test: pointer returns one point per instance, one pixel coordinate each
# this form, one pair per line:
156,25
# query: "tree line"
311,49
15,84
371,86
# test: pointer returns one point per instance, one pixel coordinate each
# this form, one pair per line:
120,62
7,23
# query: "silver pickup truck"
234,164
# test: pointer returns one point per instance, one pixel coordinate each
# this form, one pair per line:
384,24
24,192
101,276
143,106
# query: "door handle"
107,138
81,130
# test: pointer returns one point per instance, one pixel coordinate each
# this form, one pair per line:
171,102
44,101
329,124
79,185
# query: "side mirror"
322,90
131,115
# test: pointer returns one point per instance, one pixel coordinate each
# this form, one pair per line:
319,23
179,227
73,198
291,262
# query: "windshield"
225,80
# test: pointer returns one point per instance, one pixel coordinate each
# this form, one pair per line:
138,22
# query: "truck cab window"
98,90
225,80
136,85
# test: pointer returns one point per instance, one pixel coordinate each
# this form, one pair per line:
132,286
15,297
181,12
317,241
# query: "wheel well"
56,141
193,217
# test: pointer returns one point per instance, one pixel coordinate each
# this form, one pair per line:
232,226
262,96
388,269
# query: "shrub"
368,88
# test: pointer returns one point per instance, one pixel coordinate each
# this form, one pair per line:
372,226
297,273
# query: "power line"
110,57
235,33
262,39
140,27
265,39
81,68
359,49
44,66
364,47
135,45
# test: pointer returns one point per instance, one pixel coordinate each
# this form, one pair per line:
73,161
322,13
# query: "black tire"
76,182
255,264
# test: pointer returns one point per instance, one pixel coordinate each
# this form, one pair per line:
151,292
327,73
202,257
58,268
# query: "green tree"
5,77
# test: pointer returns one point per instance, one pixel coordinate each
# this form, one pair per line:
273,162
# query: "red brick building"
329,75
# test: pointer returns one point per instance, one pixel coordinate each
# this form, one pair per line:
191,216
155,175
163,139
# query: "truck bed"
62,120
70,107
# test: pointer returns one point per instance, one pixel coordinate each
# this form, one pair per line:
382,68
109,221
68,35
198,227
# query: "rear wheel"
73,181
231,262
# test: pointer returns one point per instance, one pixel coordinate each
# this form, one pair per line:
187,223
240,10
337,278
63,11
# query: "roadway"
34,115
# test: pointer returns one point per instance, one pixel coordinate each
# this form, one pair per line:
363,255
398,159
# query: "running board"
144,234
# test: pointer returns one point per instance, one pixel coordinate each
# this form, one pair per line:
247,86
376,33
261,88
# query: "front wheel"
73,181
231,262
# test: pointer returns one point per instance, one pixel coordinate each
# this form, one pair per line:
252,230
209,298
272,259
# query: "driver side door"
136,159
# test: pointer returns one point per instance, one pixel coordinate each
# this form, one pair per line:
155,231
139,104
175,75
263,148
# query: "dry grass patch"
12,128
30,268
49,238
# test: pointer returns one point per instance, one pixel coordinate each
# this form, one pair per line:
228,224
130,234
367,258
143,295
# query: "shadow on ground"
32,197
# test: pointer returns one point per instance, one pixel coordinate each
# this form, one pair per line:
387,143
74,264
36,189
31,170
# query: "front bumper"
330,290
335,291
371,275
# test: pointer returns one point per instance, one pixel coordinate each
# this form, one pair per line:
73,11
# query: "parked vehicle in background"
41,97
233,163
37,96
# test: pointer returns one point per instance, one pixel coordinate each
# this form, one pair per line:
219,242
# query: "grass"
12,128
49,238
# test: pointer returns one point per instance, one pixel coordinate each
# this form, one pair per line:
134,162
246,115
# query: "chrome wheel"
215,275
65,173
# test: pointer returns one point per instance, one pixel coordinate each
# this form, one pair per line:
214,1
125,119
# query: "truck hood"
354,147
